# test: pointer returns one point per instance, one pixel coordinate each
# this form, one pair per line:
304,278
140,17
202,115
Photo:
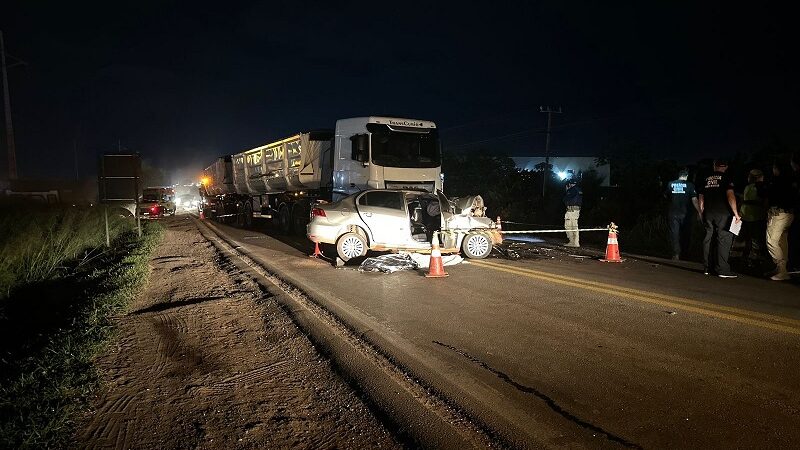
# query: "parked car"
157,202
188,202
403,220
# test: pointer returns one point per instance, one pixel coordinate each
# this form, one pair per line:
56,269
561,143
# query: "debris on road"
423,261
388,263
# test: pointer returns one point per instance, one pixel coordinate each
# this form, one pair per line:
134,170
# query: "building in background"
566,166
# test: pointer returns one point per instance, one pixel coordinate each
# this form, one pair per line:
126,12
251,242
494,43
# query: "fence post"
108,239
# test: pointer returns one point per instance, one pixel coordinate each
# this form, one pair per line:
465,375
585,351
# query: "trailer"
283,179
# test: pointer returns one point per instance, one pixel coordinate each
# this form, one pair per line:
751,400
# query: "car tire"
476,245
351,245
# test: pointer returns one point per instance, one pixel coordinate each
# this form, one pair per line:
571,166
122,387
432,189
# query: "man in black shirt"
683,203
718,205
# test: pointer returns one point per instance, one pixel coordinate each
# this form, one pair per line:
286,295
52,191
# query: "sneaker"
676,258
730,275
706,271
780,277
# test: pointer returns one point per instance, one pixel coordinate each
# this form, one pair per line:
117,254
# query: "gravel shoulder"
205,359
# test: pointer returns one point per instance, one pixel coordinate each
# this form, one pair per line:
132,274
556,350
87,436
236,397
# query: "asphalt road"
554,349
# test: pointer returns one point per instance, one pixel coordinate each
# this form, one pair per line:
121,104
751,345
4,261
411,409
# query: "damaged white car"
403,220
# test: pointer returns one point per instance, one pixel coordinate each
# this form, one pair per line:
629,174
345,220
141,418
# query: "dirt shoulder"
205,359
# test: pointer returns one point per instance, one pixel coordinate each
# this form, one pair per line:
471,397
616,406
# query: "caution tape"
552,231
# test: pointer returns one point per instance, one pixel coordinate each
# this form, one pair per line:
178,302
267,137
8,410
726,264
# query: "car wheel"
476,245
351,245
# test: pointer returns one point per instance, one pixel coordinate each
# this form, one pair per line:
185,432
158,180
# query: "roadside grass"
58,321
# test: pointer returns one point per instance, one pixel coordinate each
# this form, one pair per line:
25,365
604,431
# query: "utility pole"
549,110
12,153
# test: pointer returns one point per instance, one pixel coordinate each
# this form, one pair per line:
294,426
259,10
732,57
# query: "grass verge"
48,377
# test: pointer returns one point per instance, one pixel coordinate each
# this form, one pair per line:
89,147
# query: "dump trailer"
282,179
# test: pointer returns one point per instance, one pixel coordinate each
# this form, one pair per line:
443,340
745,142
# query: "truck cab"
385,153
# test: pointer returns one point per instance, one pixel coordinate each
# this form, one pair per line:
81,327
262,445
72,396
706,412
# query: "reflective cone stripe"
436,267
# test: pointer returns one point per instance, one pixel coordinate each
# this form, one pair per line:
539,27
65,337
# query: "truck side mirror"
360,150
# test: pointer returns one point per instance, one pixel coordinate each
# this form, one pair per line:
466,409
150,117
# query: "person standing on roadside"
794,230
781,197
718,207
754,217
682,206
573,199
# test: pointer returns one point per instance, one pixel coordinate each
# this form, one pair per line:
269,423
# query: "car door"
384,213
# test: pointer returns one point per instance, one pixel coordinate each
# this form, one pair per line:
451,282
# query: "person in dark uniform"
718,207
682,206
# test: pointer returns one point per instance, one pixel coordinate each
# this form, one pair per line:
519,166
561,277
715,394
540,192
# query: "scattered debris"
388,263
671,313
423,261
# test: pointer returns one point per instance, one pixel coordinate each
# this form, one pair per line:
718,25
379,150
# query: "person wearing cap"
754,217
781,197
573,198
718,207
682,206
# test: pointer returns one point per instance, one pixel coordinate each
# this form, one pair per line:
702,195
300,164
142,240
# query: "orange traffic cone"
612,248
317,253
436,267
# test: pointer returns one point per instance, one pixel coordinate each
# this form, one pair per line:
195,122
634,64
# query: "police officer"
573,198
718,207
682,206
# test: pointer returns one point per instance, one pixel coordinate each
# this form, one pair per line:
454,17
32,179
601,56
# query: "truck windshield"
404,148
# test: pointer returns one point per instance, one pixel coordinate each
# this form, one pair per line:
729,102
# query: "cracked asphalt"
556,349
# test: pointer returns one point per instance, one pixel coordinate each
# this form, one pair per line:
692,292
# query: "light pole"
12,152
549,111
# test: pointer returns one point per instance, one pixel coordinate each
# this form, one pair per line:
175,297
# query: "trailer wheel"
248,215
300,218
476,245
351,245
285,219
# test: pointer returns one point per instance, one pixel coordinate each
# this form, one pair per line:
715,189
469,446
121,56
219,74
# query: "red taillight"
317,212
154,208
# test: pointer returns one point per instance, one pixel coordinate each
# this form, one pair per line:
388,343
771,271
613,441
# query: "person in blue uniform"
683,206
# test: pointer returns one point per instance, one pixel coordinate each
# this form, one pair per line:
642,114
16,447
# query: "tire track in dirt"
205,359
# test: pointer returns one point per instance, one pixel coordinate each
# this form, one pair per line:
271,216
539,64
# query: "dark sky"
183,82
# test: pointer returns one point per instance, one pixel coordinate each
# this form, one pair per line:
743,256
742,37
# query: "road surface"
555,349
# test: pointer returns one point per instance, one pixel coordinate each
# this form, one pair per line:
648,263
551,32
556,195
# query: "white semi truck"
281,180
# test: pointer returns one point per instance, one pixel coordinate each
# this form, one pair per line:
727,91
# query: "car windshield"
413,148
150,197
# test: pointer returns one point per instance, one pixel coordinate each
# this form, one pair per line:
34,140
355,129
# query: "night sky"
183,82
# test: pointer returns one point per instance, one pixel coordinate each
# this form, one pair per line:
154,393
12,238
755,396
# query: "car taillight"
317,212
154,209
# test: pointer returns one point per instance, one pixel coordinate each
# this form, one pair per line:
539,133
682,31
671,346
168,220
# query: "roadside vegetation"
635,200
59,287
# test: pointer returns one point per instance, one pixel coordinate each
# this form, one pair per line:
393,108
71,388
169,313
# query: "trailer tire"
248,215
351,245
476,245
300,219
285,219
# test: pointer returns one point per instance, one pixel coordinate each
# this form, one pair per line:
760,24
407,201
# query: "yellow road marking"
754,318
